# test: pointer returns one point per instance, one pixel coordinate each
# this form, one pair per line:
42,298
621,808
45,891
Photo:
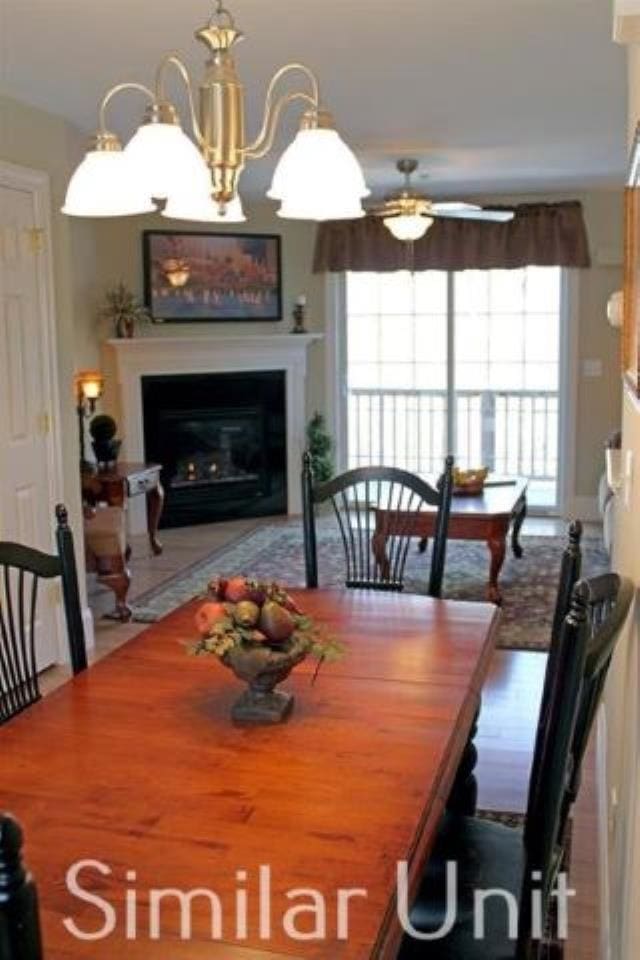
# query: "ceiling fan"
409,214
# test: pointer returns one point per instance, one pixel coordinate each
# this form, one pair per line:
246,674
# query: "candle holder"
299,316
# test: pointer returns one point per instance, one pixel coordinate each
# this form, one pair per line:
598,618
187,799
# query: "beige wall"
118,246
35,139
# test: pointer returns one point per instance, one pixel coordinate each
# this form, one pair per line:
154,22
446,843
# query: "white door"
26,482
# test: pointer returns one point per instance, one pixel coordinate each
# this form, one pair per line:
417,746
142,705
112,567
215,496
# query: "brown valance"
540,234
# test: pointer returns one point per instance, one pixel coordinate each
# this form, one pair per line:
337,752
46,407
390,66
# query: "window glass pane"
472,292
471,338
542,290
362,293
431,292
396,341
542,337
363,339
396,293
431,340
507,288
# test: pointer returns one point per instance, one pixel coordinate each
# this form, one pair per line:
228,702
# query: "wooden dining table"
136,766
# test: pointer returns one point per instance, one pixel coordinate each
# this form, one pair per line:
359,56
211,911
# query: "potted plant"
257,631
106,446
123,310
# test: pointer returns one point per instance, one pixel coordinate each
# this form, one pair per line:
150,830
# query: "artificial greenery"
320,446
123,310
103,427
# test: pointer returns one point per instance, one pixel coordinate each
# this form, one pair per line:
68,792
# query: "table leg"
379,548
463,798
519,516
155,502
498,548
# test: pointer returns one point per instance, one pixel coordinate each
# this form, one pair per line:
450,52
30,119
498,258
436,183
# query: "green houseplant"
106,446
123,310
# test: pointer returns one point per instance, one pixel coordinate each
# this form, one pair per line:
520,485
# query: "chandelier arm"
110,94
261,149
173,60
255,149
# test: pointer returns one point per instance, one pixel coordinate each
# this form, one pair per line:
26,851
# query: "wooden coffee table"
488,516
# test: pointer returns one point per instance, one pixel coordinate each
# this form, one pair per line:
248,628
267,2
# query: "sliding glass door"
466,362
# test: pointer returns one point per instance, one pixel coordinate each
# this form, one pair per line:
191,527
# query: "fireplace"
221,439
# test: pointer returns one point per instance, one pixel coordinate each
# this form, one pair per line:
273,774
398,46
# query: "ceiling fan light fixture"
408,227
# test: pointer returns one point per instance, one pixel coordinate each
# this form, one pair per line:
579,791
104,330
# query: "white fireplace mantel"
148,356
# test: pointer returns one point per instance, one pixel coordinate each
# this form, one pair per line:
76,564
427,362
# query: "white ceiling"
490,95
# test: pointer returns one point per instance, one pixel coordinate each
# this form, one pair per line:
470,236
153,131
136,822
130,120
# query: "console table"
125,480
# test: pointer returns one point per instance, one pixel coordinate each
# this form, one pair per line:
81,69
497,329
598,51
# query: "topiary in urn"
106,446
257,631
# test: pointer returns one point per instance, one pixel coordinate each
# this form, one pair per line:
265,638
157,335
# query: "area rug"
275,552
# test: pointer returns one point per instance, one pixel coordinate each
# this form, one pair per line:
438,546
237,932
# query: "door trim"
36,182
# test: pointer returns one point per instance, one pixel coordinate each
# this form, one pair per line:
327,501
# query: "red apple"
237,590
208,615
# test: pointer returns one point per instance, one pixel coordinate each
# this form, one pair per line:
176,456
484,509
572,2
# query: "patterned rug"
275,551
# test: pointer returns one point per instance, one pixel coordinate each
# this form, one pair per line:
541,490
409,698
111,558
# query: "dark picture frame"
631,290
206,277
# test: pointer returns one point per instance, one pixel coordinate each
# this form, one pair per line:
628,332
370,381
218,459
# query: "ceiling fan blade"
446,206
496,216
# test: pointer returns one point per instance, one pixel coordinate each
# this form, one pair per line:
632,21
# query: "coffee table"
502,506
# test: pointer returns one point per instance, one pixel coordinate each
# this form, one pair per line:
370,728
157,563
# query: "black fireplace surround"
221,440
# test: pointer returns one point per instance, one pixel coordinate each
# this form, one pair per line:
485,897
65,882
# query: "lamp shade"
166,160
201,208
105,185
319,178
408,227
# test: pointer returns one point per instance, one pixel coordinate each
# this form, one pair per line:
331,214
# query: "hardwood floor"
511,699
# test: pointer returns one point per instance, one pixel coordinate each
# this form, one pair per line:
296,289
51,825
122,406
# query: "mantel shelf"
241,339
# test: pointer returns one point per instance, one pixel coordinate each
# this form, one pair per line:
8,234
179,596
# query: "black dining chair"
20,937
375,510
524,863
21,569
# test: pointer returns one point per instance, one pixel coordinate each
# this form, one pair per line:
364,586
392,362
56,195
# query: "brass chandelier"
317,178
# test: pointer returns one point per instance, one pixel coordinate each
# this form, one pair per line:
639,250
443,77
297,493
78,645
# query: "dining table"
156,829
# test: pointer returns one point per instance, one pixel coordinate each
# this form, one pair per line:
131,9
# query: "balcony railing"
513,432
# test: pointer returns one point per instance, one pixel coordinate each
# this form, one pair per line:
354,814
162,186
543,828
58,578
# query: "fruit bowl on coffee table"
469,483
259,633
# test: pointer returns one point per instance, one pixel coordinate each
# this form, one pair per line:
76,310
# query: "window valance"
540,234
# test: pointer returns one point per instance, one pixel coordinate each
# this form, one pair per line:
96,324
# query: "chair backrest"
583,651
569,574
20,937
21,569
376,509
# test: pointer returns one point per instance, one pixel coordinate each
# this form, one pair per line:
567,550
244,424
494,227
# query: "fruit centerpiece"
469,482
257,631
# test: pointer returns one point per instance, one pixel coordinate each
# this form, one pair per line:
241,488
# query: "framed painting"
631,290
212,277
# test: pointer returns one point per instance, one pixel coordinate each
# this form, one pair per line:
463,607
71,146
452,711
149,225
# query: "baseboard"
602,822
89,631
583,508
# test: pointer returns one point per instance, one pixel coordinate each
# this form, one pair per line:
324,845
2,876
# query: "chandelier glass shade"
106,185
408,227
167,160
203,209
317,178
